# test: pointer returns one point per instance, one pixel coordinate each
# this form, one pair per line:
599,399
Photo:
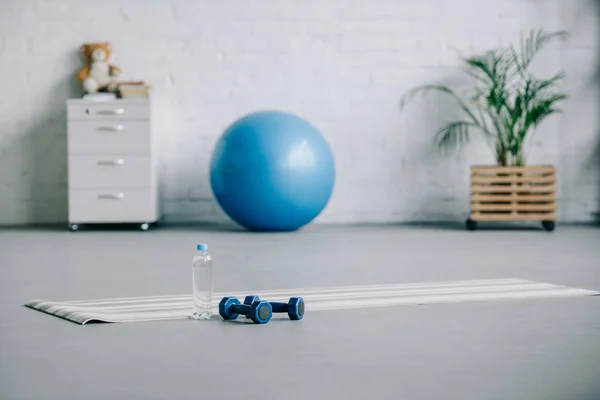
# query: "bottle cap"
202,247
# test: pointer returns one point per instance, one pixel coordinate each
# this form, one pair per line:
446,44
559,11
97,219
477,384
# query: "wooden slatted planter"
513,194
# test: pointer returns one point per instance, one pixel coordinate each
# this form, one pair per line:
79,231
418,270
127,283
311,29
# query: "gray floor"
531,349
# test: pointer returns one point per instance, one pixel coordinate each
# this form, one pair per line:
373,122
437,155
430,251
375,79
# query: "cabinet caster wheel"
548,225
470,224
144,227
74,227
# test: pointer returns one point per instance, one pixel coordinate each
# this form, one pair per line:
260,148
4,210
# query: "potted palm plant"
506,104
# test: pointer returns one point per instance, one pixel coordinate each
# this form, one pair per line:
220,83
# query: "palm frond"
529,48
486,64
540,109
454,134
443,89
535,42
411,94
542,84
497,98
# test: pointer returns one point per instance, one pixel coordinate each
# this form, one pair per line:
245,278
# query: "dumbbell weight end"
294,308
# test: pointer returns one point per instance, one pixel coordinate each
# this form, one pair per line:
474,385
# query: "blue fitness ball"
272,171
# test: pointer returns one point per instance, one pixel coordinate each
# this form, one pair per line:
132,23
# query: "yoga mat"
154,308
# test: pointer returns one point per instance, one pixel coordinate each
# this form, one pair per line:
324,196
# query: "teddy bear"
97,74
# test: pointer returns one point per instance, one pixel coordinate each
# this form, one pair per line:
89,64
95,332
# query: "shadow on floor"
481,226
136,227
230,228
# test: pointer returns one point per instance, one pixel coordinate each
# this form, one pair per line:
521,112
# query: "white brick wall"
342,64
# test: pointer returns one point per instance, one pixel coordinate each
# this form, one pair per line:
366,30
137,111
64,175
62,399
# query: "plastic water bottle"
202,266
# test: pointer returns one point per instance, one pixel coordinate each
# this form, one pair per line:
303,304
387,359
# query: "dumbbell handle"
279,307
243,309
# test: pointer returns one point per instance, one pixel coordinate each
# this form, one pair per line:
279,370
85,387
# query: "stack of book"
135,90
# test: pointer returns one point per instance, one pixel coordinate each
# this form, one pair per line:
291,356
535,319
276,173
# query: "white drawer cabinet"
112,163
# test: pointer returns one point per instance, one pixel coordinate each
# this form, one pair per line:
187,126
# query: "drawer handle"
117,196
116,111
116,128
119,161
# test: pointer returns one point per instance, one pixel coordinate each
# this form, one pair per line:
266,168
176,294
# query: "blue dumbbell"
248,300
259,311
294,307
